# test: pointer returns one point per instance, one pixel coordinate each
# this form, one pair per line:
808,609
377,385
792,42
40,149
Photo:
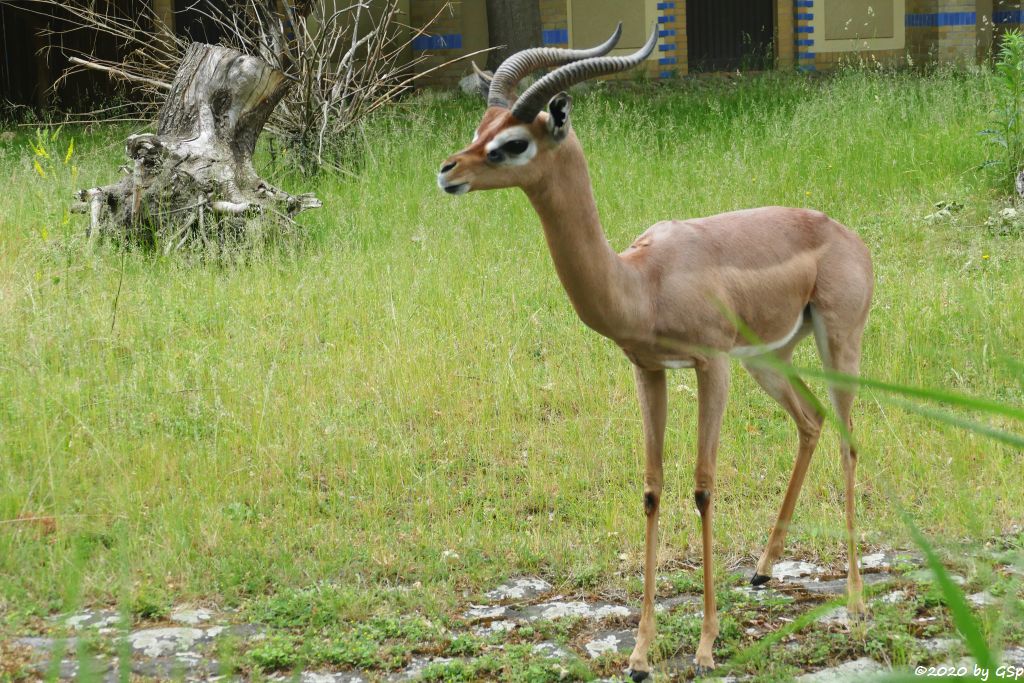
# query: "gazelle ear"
559,108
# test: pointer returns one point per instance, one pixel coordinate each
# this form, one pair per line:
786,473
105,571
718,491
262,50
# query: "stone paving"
184,645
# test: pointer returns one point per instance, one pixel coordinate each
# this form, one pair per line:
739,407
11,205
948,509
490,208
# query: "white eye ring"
495,153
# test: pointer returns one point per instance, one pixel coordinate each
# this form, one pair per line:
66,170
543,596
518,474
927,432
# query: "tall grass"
411,378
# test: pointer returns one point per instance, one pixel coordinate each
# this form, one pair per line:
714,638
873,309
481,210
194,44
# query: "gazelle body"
685,294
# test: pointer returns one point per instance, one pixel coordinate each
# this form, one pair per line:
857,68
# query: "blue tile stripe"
555,36
666,15
1015,16
941,19
805,58
449,41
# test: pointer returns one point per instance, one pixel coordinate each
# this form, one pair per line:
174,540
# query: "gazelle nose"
448,166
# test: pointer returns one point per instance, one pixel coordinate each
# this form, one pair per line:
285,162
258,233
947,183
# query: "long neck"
606,292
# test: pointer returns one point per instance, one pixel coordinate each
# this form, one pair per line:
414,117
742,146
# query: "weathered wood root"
193,180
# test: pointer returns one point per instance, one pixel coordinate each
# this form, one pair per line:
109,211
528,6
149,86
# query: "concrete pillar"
957,30
671,52
785,38
554,22
922,30
985,31
803,34
164,11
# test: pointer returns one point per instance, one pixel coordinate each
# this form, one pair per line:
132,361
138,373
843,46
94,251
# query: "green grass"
411,378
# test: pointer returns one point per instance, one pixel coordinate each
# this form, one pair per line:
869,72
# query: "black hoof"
759,579
702,670
637,676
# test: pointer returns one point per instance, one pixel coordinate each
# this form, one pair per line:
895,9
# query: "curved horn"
513,69
483,80
537,95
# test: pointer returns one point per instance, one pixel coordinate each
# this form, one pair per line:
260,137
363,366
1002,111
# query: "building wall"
787,42
455,29
810,35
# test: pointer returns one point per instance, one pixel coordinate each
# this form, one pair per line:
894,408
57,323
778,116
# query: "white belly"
761,349
677,364
743,351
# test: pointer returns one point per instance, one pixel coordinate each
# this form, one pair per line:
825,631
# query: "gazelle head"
518,136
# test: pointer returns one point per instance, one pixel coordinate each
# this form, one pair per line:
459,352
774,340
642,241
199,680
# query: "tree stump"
193,182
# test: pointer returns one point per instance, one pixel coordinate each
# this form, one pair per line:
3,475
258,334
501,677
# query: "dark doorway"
726,35
194,19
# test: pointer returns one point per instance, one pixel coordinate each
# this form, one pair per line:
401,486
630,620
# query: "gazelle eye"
495,155
515,146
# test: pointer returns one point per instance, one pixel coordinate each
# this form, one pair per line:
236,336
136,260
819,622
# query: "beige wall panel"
474,28
845,19
597,19
594,20
885,20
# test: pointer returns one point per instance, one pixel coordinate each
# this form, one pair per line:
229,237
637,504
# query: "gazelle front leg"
653,398
712,391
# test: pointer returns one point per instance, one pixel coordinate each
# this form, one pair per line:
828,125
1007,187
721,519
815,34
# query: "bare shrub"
348,60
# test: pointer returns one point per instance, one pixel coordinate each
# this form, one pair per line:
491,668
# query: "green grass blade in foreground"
1015,440
970,402
963,618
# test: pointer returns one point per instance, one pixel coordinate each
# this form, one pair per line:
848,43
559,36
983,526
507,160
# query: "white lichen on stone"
598,646
161,642
482,612
936,645
190,617
794,570
519,589
497,626
982,599
552,650
875,561
837,617
559,610
90,619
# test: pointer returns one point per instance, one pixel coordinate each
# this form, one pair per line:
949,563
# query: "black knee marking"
650,503
703,499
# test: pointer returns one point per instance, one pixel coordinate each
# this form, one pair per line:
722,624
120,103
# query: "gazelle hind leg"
792,395
653,399
841,353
